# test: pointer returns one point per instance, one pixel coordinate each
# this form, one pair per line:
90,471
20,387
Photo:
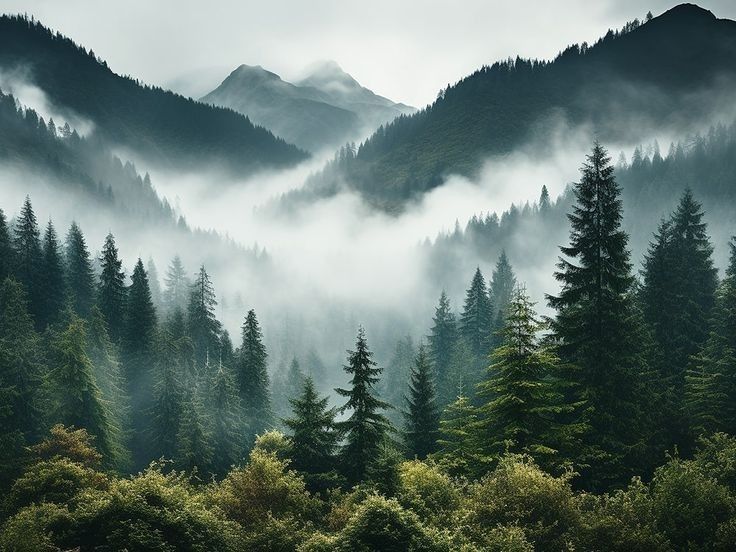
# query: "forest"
132,420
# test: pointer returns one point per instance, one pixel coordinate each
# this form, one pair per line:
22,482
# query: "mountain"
669,74
159,126
325,109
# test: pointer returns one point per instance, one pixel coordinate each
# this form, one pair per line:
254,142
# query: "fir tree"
366,427
252,377
422,417
456,444
500,290
168,397
204,328
177,287
7,261
53,292
21,373
28,258
476,323
545,206
154,284
225,420
111,294
79,273
598,329
442,345
313,437
77,399
194,445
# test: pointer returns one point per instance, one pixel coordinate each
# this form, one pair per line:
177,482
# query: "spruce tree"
28,259
313,436
168,396
77,399
53,291
177,287
421,428
545,205
442,345
476,324
79,273
366,427
598,330
203,327
7,261
154,284
194,445
226,420
522,399
138,340
711,382
500,290
111,292
21,375
457,446
252,378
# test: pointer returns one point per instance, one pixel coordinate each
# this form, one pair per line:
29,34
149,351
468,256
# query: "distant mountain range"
672,73
325,109
160,127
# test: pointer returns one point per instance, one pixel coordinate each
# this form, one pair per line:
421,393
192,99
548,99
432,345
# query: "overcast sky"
406,50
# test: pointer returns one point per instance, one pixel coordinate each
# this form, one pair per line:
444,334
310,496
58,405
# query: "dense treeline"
158,124
605,426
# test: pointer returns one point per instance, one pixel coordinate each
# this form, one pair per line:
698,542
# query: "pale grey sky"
406,50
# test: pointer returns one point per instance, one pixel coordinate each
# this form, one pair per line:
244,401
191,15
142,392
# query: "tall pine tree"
194,445
204,328
421,428
53,291
476,324
111,292
28,259
79,273
226,420
500,290
252,378
442,345
177,287
168,397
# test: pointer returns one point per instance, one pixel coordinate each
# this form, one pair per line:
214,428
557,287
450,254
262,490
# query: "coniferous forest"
583,404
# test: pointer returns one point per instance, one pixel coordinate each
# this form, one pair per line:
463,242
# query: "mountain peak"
244,71
688,11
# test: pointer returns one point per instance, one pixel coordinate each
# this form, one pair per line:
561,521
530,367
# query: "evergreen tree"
53,291
252,377
313,437
177,287
225,421
456,444
396,377
422,417
21,373
154,284
204,328
442,345
7,261
77,399
545,206
168,397
476,323
28,259
111,294
79,273
500,290
711,382
194,445
677,299
227,352
598,330
366,427
521,397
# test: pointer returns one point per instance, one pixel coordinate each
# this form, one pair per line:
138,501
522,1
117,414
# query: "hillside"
159,126
322,111
668,74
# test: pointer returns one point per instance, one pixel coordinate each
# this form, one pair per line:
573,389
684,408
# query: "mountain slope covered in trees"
666,74
159,126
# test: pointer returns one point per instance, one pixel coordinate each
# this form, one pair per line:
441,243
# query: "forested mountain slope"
159,126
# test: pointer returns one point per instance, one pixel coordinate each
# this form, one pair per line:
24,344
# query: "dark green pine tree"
421,428
457,447
28,259
168,396
599,333
313,436
366,428
80,276
138,347
194,445
203,327
226,420
21,375
500,290
111,293
711,382
252,379
77,399
522,399
53,291
677,298
476,324
177,287
442,345
7,261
